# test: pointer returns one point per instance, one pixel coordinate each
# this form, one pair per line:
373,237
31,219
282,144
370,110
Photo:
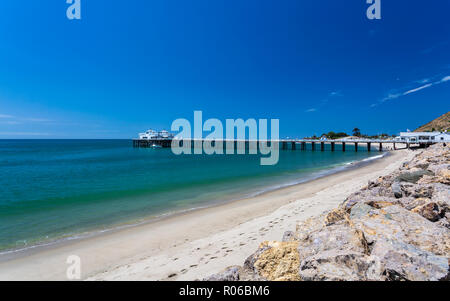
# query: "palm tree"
356,132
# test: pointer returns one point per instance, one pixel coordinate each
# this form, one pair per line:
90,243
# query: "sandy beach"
199,243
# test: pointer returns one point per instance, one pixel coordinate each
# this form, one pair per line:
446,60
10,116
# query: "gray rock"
360,209
409,203
349,203
397,223
417,190
334,265
422,164
401,261
412,177
229,274
436,169
335,237
397,190
288,236
441,195
444,222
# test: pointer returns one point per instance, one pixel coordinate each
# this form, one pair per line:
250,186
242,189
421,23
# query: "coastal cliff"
395,228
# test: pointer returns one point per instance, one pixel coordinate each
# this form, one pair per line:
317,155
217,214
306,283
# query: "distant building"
165,134
423,137
152,135
351,138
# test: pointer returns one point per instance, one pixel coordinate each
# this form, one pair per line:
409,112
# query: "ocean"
53,190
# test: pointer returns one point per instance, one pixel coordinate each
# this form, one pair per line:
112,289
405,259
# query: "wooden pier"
287,144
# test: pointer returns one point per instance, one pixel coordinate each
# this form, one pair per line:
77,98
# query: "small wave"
372,158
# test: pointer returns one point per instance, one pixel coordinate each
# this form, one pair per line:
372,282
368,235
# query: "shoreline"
13,253
111,254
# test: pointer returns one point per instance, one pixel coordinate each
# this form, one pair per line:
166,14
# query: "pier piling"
236,144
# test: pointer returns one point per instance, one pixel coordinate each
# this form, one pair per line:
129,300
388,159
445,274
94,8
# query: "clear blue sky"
131,65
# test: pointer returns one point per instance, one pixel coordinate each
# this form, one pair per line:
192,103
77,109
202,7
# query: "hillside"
441,123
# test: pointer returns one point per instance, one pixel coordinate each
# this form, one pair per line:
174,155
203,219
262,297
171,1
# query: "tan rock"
279,262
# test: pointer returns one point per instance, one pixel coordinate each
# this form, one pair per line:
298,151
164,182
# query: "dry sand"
199,243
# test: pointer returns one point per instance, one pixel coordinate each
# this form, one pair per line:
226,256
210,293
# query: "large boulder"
336,237
278,262
412,176
335,265
441,195
402,261
441,174
370,199
417,190
397,223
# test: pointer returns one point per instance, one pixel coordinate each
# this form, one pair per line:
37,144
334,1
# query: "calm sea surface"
55,189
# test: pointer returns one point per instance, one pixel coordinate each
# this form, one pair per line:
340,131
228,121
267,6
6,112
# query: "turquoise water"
53,189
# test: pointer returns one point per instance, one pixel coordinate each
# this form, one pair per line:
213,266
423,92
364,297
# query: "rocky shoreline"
395,228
